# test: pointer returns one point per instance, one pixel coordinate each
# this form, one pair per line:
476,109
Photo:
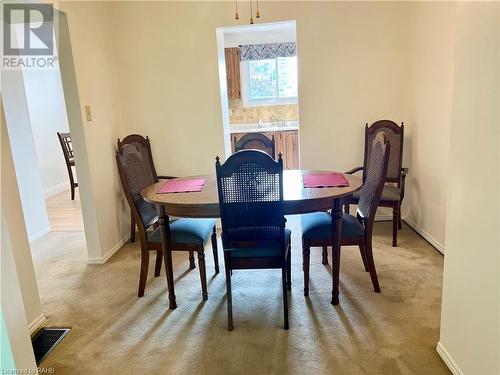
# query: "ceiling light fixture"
251,13
257,11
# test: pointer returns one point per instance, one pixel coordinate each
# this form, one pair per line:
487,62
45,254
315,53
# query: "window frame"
245,89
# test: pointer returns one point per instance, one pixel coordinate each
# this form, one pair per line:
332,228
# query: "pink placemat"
318,180
182,186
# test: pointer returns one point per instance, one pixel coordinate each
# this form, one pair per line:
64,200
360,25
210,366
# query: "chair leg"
144,271
306,251
192,265
229,297
285,295
336,274
289,268
395,214
203,273
363,256
132,228
214,249
71,182
371,266
159,258
324,259
399,217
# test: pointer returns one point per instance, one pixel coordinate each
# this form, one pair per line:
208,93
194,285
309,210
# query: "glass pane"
262,79
287,79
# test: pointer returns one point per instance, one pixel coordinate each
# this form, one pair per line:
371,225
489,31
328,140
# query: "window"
270,81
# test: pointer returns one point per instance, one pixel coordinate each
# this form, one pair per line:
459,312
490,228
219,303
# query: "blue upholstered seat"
318,225
187,231
259,252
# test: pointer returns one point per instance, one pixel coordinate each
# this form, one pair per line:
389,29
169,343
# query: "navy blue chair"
250,187
145,147
185,234
394,189
356,230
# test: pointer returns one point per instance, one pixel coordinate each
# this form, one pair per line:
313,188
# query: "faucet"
259,124
274,120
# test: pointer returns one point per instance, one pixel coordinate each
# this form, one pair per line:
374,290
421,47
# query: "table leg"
167,255
337,240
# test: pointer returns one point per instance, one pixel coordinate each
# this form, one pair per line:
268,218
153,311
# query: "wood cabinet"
287,143
289,148
233,72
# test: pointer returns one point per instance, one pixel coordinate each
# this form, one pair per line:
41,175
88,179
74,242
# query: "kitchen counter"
277,126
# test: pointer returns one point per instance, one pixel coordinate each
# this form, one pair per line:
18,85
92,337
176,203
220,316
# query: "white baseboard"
56,189
417,228
445,356
111,252
40,234
37,323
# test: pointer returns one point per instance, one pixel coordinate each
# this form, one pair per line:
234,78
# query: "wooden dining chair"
255,141
250,187
69,158
394,188
190,235
145,145
317,228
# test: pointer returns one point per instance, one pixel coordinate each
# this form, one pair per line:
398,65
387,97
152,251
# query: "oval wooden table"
205,204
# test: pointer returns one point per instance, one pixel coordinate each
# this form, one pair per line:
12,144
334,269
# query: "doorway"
41,170
259,89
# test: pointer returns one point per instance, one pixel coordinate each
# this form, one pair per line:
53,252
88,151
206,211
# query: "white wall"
470,316
259,34
14,329
90,67
428,136
19,293
24,154
47,110
19,264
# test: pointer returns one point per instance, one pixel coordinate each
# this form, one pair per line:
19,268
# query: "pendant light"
251,13
257,11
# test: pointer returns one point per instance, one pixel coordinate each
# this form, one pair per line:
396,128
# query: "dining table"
205,204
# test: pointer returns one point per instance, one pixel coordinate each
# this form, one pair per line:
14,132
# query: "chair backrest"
376,172
135,174
256,141
66,145
250,186
395,135
143,144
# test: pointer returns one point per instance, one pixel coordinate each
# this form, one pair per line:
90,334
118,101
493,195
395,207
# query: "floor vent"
46,340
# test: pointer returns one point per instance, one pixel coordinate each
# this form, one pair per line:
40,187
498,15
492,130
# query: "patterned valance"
267,51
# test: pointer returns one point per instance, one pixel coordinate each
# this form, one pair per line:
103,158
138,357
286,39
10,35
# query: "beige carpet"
114,332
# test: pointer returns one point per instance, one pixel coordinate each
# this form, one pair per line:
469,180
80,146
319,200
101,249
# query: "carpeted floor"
114,332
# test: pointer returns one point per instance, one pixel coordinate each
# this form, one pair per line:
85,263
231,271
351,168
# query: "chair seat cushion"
390,194
317,225
188,231
259,252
